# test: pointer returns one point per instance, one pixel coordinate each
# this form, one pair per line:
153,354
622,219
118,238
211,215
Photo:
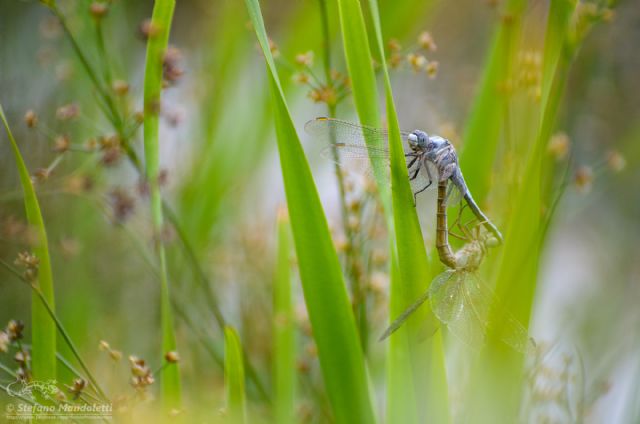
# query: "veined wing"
463,302
357,139
449,303
510,330
349,142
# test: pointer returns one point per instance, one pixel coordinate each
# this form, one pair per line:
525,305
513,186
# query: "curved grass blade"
234,377
363,83
417,387
43,343
156,47
334,329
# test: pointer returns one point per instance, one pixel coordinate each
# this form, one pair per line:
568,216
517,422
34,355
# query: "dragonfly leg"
412,161
420,191
457,224
415,174
472,224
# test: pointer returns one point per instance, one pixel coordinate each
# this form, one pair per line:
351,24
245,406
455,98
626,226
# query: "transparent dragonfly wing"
349,140
450,304
462,302
454,196
510,330
337,131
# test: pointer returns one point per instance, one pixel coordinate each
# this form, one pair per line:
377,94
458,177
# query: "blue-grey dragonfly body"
429,158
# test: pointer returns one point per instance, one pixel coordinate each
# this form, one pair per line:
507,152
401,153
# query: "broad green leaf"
334,329
234,377
156,48
43,329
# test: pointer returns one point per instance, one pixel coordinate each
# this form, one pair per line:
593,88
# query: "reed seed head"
77,387
304,59
559,146
4,342
14,330
98,9
68,112
148,29
425,40
583,179
61,144
615,161
432,69
31,119
172,68
120,87
172,357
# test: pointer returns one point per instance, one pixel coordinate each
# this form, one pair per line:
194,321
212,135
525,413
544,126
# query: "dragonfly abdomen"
442,231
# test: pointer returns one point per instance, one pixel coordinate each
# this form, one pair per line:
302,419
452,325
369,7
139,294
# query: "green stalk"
357,292
156,47
65,335
518,270
486,119
187,247
43,355
363,82
234,377
334,330
284,350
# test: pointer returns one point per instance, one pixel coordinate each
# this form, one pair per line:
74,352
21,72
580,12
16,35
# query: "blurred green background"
224,185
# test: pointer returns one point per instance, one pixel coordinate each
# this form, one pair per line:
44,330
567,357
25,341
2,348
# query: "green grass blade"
521,245
334,329
234,377
363,83
43,329
518,271
156,46
485,122
424,372
284,351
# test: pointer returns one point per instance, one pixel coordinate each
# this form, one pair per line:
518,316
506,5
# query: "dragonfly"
429,158
459,298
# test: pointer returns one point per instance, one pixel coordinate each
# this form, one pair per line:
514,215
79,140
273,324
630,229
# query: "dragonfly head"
418,140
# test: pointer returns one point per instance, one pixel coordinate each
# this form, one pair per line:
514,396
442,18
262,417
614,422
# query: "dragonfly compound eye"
418,138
